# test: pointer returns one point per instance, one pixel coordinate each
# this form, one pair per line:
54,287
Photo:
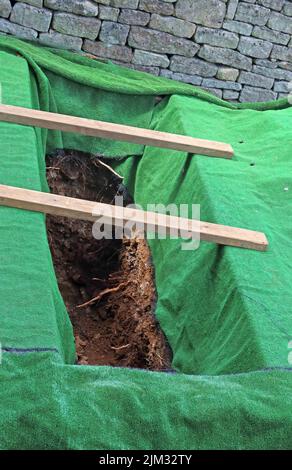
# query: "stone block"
209,13
114,33
78,7
252,94
169,24
134,17
253,79
31,17
253,47
156,41
63,41
226,57
253,14
5,8
150,59
193,66
80,26
217,37
110,51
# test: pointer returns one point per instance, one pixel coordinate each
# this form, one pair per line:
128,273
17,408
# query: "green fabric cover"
225,311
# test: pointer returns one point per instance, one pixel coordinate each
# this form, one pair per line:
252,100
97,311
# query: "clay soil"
107,285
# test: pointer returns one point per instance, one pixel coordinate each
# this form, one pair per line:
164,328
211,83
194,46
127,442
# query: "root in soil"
107,285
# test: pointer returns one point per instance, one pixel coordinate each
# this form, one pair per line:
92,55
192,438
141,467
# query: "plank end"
229,152
260,243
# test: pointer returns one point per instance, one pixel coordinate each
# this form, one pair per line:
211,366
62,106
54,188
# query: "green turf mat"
225,311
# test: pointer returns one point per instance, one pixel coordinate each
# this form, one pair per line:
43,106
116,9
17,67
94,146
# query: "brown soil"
118,328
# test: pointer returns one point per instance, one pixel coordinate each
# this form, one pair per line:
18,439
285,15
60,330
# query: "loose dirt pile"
107,285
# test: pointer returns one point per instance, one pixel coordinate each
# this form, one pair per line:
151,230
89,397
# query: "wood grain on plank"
107,130
119,216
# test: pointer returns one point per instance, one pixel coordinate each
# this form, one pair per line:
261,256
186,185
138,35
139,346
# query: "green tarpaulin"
227,312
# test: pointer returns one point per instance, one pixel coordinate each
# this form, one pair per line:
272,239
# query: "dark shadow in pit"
107,285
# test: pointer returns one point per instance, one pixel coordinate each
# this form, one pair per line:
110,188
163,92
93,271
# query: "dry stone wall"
239,50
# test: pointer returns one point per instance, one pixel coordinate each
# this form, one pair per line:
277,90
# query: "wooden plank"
31,117
81,209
